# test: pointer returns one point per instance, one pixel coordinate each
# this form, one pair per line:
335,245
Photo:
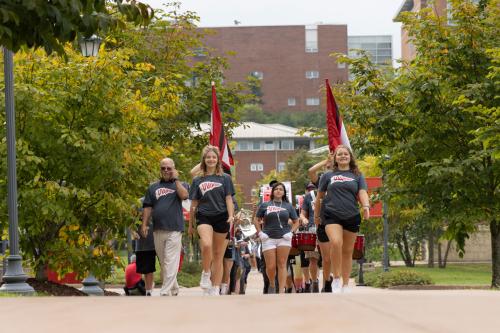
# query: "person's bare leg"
148,280
206,233
219,247
335,235
347,249
282,257
325,257
270,257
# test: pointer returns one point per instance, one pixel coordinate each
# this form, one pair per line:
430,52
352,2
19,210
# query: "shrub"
397,278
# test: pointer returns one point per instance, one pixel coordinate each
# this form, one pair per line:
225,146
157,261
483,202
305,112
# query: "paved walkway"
364,310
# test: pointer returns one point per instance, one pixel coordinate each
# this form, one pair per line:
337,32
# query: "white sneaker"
215,291
223,288
174,292
346,290
336,286
205,282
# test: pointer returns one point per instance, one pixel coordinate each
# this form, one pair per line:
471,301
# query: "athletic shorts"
304,262
218,222
351,224
229,253
272,243
145,261
321,233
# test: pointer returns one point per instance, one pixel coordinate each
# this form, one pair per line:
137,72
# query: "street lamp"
386,223
14,277
90,46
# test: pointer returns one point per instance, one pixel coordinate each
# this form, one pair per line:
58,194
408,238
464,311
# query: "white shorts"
272,243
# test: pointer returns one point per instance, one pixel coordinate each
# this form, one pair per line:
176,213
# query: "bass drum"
306,241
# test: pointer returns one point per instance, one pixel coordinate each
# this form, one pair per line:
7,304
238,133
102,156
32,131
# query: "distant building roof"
252,130
319,150
406,6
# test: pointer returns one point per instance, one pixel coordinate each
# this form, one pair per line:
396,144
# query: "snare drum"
359,247
306,240
294,251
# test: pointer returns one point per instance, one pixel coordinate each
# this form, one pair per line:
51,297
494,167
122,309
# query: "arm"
192,216
195,171
258,224
230,208
182,192
365,202
295,225
313,171
146,215
317,208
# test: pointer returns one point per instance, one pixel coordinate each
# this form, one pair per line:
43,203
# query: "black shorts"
218,222
145,262
351,224
304,262
321,233
229,253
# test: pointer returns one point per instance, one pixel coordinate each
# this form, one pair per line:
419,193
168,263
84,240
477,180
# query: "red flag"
217,137
336,131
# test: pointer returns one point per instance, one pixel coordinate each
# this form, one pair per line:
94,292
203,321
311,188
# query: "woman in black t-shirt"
212,208
276,234
340,190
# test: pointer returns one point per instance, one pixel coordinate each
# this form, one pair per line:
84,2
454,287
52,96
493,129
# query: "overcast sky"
363,17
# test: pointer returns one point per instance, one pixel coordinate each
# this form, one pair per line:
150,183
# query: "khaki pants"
168,249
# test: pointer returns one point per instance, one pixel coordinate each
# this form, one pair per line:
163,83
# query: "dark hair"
272,182
285,199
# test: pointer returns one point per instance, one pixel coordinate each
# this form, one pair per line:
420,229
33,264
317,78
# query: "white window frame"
312,101
292,101
239,145
281,166
311,38
289,144
266,147
256,167
312,75
258,75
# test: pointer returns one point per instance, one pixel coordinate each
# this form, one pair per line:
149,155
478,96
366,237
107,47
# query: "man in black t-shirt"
163,201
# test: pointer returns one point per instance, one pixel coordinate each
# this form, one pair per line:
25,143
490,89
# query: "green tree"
437,118
50,24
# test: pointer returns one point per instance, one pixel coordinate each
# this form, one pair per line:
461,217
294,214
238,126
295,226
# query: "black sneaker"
328,286
315,286
307,288
148,293
288,290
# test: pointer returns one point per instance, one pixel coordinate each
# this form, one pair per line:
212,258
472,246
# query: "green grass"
454,274
189,276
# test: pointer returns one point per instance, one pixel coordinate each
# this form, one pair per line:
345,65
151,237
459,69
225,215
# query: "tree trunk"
440,255
407,251
495,253
445,259
430,262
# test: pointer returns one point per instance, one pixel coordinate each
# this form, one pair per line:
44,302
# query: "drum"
294,251
359,247
306,241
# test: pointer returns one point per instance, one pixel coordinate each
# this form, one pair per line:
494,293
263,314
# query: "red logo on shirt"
341,179
163,191
208,186
274,209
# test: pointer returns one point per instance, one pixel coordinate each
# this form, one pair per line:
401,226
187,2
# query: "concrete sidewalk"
364,310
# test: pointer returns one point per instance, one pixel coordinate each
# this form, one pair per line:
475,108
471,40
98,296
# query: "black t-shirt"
211,192
276,217
308,206
167,206
342,188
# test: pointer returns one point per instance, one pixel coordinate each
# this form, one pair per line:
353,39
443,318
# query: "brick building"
441,8
261,148
290,61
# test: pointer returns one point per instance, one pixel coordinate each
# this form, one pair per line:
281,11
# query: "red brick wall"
279,52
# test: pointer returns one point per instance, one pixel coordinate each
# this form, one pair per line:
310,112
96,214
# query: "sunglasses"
167,168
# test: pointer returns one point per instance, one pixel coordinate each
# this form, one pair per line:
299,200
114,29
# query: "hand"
191,231
135,235
263,236
304,221
144,230
317,221
174,174
366,212
230,219
288,236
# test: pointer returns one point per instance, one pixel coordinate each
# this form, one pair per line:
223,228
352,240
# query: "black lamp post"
14,277
90,48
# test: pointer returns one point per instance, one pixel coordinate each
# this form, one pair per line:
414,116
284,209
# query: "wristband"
366,206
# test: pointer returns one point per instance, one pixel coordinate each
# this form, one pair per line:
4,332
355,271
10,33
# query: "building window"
312,101
286,144
269,145
256,145
243,145
281,166
256,167
292,101
200,52
312,74
258,75
341,65
311,38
